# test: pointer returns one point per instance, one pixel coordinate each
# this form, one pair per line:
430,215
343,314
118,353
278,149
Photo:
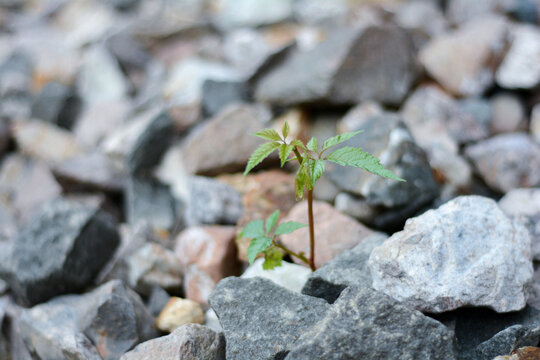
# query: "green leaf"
298,143
259,155
256,246
338,139
271,221
272,258
313,145
351,156
269,134
253,229
301,180
288,227
317,169
285,129
284,152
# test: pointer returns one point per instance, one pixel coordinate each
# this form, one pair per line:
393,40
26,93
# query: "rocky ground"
124,129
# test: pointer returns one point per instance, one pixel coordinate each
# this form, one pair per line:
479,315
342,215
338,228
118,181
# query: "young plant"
312,159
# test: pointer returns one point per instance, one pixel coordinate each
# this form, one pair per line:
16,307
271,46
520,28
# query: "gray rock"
508,114
157,300
387,137
4,344
212,202
59,251
507,161
188,342
535,123
148,200
460,11
347,269
426,16
262,320
524,206
341,70
245,13
15,79
127,50
387,329
102,324
471,120
506,341
321,12
56,103
216,95
356,207
465,253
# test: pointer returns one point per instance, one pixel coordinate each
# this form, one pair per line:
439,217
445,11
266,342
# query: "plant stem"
311,231
290,252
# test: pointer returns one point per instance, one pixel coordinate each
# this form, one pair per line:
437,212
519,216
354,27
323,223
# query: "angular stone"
524,205
98,121
334,231
178,312
59,251
56,104
15,77
188,342
421,15
465,253
217,95
472,120
460,60
460,11
244,13
507,161
386,137
387,329
347,269
506,341
508,114
215,147
262,320
356,207
290,276
520,68
102,324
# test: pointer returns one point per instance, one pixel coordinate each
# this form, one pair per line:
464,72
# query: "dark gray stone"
157,300
4,344
15,82
471,120
56,103
59,251
347,269
216,95
366,324
262,320
151,144
128,51
506,341
102,324
188,342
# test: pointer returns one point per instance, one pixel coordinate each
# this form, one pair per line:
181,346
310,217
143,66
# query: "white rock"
465,253
249,13
535,122
508,114
290,276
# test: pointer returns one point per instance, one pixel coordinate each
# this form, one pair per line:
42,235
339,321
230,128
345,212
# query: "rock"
520,69
525,353
387,328
460,11
102,324
44,141
4,344
244,13
524,205
290,276
357,116
356,207
229,152
179,312
262,320
347,269
211,320
321,12
56,104
157,300
507,161
460,60
153,265
465,253
506,341
421,15
59,251
472,120
508,114
334,232
98,121
127,50
210,250
535,123
386,137
212,202
216,95
91,171
148,200
341,71
188,342
15,77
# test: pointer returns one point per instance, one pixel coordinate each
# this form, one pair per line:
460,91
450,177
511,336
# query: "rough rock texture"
524,353
216,95
335,232
102,324
347,269
507,161
465,253
244,13
524,206
59,251
290,276
188,342
178,312
506,341
387,329
261,320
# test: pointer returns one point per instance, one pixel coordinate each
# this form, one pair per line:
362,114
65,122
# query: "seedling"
312,159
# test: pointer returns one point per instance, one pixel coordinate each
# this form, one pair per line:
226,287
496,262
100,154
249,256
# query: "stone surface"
262,320
524,206
524,353
520,68
535,123
59,251
421,15
387,328
508,114
356,207
228,152
188,342
56,104
460,60
244,13
507,161
290,276
102,324
335,232
217,95
465,253
178,312
96,122
506,341
460,11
